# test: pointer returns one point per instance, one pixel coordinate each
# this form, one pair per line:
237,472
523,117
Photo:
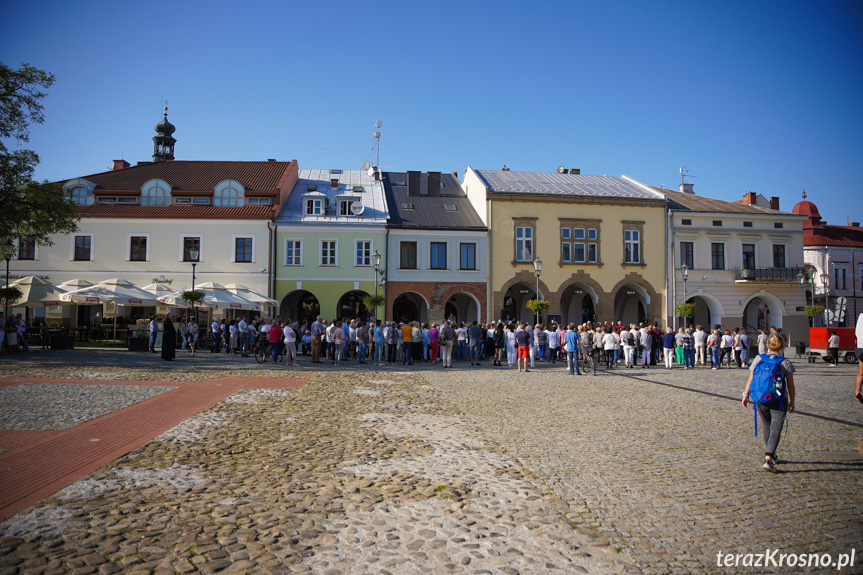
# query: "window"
328,252
345,207
117,200
840,276
687,254
314,207
632,246
138,249
450,207
80,196
685,222
312,188
747,224
717,223
243,250
717,256
467,256
407,206
778,225
584,247
523,244
26,249
566,252
363,253
565,233
293,252
229,194
749,256
779,255
408,255
83,248
438,256
259,201
191,243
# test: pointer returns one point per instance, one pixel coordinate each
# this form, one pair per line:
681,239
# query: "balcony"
769,275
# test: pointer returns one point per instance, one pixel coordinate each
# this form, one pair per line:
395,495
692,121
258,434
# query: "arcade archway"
410,306
300,305
351,306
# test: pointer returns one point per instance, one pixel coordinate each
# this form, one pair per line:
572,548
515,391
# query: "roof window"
407,206
312,188
335,172
451,208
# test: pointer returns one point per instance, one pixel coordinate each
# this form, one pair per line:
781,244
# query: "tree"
28,209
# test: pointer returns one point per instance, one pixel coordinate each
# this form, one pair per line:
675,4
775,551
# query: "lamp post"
537,270
824,279
684,271
193,257
376,264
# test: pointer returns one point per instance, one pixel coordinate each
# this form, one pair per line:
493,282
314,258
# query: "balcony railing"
786,275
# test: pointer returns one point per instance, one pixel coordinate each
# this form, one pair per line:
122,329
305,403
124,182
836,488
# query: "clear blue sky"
751,96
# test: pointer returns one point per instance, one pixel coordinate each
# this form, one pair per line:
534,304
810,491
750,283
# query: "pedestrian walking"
169,339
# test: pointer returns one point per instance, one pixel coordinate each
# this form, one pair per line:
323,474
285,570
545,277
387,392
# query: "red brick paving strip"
50,461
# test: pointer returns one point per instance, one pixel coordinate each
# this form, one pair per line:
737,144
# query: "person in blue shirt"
571,345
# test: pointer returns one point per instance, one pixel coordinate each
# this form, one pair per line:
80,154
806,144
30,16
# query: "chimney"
413,183
119,164
855,224
575,171
334,183
749,198
687,188
434,184
377,173
774,203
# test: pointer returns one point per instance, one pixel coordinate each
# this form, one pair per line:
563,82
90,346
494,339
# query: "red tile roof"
837,236
174,211
194,176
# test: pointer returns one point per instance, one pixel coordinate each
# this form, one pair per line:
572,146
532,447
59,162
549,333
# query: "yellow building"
601,240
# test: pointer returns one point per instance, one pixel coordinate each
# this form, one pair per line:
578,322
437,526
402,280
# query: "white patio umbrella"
215,296
115,290
33,289
251,294
158,289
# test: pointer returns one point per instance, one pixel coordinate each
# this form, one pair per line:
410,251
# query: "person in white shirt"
700,338
243,335
290,345
553,342
609,340
192,334
630,345
331,347
216,330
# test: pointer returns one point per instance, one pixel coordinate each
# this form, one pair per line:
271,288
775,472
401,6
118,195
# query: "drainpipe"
271,273
386,266
670,291
489,290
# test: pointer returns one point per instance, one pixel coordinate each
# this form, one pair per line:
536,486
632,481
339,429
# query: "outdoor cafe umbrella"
115,290
215,296
251,294
33,289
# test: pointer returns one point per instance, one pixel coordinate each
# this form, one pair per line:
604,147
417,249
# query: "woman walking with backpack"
773,406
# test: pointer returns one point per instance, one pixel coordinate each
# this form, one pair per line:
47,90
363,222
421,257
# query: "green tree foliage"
27,208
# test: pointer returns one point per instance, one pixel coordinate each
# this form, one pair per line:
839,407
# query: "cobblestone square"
472,470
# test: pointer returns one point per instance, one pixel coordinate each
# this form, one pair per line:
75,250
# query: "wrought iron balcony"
783,275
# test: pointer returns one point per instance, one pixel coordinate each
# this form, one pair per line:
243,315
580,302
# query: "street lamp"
803,279
537,270
684,270
376,264
194,254
825,282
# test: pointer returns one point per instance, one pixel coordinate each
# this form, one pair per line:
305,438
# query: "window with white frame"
26,249
779,256
314,206
328,252
580,244
632,246
244,250
363,253
717,256
80,196
345,207
82,248
138,244
523,244
293,252
188,245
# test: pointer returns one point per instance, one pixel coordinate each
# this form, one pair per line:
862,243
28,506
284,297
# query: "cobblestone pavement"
672,476
361,471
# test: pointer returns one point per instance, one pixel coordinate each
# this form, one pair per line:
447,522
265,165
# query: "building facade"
834,255
743,260
437,250
326,236
601,241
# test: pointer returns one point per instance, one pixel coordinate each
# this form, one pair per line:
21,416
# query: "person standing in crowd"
154,331
727,348
762,341
450,335
243,336
290,344
646,348
474,338
434,342
169,339
713,348
216,332
275,338
183,334
192,334
522,342
362,342
380,345
688,349
668,345
571,346
339,340
833,348
699,338
317,332
609,340
553,341
629,346
744,347
461,332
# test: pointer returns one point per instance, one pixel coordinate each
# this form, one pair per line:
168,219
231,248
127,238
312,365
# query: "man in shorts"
522,340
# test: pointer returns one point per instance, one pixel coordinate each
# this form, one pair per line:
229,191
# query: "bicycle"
263,351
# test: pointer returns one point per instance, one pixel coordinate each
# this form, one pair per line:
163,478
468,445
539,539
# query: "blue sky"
751,96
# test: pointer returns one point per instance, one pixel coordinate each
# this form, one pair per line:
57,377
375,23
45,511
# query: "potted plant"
538,306
138,338
373,302
812,310
686,310
193,296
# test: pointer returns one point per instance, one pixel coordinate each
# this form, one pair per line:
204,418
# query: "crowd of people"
514,344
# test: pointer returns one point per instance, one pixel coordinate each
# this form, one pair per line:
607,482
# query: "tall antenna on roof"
684,173
373,163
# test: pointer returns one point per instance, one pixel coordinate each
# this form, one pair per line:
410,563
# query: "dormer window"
312,188
230,194
79,191
314,207
156,193
345,207
358,188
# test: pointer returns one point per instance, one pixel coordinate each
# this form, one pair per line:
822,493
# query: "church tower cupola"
163,141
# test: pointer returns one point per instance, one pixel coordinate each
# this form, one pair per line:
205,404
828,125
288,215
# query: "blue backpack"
768,383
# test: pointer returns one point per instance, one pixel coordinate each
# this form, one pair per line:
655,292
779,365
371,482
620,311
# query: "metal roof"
695,203
424,210
565,185
372,197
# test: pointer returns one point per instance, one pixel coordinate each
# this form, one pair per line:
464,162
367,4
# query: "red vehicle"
847,342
